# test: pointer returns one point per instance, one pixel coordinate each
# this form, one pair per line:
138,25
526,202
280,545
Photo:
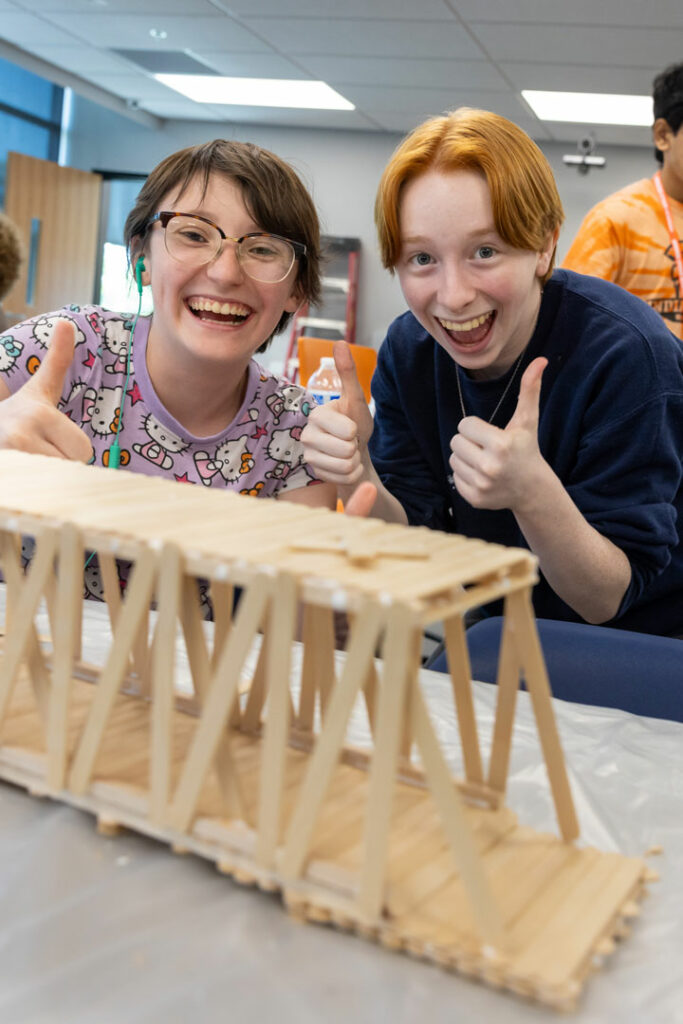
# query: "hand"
335,439
362,500
494,468
30,420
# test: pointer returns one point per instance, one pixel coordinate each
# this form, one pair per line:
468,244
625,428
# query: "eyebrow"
476,232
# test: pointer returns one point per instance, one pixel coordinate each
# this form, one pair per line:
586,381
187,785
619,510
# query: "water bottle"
325,385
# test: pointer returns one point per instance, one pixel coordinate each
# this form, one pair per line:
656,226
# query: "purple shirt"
259,453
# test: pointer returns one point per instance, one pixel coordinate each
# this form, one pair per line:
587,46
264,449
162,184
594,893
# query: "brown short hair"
524,196
11,254
667,100
273,193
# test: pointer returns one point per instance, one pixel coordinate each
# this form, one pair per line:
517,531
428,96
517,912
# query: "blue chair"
595,665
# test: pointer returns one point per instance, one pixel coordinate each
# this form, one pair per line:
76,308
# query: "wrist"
538,493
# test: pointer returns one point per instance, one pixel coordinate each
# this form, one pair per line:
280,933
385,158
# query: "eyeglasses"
192,239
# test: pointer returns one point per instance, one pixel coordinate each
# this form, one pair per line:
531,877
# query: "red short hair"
524,196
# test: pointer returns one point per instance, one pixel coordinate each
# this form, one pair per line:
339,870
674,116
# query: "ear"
545,256
138,252
145,277
296,299
662,134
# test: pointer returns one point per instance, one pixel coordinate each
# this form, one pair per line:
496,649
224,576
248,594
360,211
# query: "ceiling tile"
588,13
422,73
111,30
580,78
116,8
250,65
26,30
371,37
432,9
616,46
425,101
79,59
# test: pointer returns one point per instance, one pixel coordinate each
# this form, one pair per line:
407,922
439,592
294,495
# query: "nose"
456,289
225,265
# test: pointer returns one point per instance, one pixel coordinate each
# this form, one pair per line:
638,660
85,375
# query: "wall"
342,170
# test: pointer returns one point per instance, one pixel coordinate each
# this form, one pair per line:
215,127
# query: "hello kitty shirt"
259,453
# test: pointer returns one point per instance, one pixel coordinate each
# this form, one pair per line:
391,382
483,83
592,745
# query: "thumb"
362,500
525,415
352,395
49,377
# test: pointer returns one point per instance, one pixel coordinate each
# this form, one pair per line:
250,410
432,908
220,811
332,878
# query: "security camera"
586,144
133,104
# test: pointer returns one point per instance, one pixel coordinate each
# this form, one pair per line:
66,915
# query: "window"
30,116
116,283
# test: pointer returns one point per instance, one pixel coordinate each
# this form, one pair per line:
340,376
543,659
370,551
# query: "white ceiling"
398,61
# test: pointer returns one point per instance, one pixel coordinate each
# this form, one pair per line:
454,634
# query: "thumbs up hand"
335,439
494,468
30,420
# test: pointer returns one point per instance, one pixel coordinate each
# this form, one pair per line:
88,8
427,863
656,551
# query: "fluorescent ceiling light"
590,107
257,92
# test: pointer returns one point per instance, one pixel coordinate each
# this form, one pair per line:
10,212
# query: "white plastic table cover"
97,930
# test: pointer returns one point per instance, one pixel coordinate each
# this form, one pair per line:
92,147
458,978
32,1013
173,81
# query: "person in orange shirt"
634,237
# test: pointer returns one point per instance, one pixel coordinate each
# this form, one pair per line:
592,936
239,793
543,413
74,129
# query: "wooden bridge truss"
255,770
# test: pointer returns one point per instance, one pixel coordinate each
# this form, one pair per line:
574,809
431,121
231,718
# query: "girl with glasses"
227,237
514,403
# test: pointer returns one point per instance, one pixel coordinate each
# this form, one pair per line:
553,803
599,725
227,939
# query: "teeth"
224,308
466,325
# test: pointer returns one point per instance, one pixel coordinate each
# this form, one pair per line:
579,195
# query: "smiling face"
213,313
474,293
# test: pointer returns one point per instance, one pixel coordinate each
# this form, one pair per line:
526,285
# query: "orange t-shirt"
625,239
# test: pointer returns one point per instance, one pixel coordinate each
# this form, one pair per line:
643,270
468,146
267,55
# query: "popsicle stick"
70,599
364,636
448,801
216,708
282,625
317,673
200,669
135,608
222,599
508,687
536,676
23,639
162,671
461,681
398,664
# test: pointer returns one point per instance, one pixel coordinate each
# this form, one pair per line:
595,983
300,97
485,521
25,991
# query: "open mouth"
469,332
230,313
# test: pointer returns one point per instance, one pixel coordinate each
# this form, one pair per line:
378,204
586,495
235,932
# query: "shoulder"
279,395
89,322
607,326
405,343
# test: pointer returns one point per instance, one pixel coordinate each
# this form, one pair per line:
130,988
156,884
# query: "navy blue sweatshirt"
611,427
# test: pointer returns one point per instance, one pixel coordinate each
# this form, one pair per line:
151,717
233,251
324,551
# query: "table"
122,930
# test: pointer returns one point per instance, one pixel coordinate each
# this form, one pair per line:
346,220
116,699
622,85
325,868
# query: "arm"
336,439
30,420
495,468
314,495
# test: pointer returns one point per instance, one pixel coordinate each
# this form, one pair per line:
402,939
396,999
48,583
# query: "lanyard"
675,244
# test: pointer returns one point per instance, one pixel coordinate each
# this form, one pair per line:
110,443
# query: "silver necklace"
502,397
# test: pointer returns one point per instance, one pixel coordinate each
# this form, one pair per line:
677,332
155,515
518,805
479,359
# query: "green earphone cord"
115,449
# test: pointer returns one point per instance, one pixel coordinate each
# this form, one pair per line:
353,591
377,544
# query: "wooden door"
57,212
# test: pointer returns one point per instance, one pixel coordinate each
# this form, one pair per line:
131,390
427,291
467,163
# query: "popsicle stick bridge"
259,775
